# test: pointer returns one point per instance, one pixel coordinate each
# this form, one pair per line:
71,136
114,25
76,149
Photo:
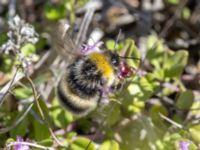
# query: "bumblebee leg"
117,86
104,95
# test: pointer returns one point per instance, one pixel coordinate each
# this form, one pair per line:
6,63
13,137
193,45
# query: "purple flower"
86,49
184,145
21,146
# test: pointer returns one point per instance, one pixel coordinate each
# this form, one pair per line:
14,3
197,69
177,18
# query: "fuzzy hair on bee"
91,74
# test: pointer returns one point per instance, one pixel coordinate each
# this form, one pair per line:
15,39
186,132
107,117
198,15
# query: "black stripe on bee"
83,78
78,89
69,103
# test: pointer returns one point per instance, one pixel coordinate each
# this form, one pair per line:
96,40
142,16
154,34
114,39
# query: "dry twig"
41,112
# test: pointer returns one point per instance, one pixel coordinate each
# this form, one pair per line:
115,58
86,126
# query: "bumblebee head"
119,64
114,59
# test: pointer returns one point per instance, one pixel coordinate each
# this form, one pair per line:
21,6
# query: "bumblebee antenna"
117,39
126,57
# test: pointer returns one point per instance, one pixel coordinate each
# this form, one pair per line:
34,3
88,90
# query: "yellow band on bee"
102,64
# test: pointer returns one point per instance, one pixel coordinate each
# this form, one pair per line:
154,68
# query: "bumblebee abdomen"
78,89
73,102
83,78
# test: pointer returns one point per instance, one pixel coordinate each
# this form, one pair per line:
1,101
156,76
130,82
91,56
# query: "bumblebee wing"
63,43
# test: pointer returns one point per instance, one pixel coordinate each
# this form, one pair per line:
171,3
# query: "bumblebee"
91,74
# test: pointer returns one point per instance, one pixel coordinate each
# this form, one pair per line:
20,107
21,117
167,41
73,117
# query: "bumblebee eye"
115,60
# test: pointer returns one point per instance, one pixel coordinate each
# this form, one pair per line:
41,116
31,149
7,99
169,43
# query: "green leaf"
111,44
40,128
113,110
195,135
170,140
134,89
148,86
28,49
186,13
137,134
195,108
174,2
159,74
9,140
58,116
61,118
137,106
154,114
23,93
40,131
109,145
3,38
192,146
20,129
175,63
6,63
175,136
132,51
71,135
53,12
46,142
154,44
81,143
185,100
177,118
155,51
44,109
41,43
42,78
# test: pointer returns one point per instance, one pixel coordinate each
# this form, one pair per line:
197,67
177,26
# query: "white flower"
20,33
16,21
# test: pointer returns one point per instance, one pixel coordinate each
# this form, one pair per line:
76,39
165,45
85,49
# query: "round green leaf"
195,133
155,51
113,110
60,117
185,100
186,13
137,134
6,63
175,63
28,49
82,143
154,114
109,145
111,44
54,12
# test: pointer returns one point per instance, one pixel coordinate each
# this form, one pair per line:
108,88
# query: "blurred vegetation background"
159,107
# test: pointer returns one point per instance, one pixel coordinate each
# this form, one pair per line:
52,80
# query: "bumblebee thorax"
103,64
